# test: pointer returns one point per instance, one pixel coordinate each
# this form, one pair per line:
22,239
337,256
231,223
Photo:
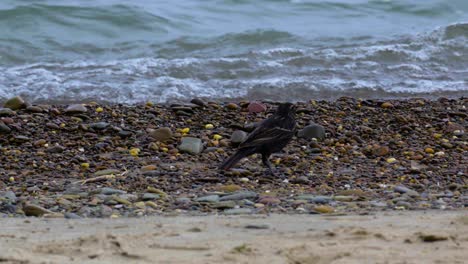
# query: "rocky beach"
350,156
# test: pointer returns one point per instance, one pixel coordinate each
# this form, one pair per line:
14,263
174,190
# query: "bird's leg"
267,163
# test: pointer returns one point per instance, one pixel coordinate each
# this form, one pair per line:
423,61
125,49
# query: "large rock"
161,134
238,137
15,103
76,109
35,210
312,131
191,145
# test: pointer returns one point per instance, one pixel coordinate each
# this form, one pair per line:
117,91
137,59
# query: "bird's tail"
231,161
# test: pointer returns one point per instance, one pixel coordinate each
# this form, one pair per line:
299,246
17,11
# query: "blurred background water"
135,51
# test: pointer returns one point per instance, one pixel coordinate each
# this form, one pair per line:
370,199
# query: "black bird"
270,136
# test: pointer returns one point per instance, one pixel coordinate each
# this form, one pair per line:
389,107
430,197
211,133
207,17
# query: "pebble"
69,215
238,211
269,200
256,107
404,189
55,149
191,145
76,109
34,109
341,198
207,199
239,196
35,210
229,188
9,195
238,137
314,198
4,129
197,101
6,112
312,131
106,172
161,134
224,205
232,106
99,125
150,196
15,103
110,191
324,209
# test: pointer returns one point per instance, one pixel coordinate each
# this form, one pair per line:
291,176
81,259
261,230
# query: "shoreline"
379,237
111,160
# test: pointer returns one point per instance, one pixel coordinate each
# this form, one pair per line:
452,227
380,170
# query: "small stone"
209,126
99,125
429,150
110,191
11,196
148,168
6,112
239,196
151,204
161,134
324,209
208,199
238,137
106,172
35,210
121,200
404,189
391,160
269,200
76,109
34,109
229,188
140,205
15,103
4,129
232,106
150,196
55,149
197,101
387,105
314,198
256,107
224,205
341,198
238,211
381,151
191,145
312,131
70,215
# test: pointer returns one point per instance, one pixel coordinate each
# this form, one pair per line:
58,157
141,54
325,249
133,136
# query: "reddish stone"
256,107
7,120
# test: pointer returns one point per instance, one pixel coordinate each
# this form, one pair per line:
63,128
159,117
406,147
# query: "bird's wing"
269,135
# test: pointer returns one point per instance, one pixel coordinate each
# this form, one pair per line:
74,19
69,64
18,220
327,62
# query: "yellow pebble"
217,137
62,125
114,216
185,130
85,165
277,161
429,151
391,160
11,179
99,109
437,135
149,104
164,149
209,126
134,151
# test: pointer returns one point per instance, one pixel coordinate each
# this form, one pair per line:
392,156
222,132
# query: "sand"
380,237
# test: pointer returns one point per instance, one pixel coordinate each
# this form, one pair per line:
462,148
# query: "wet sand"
381,237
